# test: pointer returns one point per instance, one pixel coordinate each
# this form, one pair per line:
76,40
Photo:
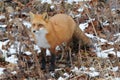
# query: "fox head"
38,22
39,30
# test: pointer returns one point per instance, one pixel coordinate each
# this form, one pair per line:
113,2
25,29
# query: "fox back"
50,32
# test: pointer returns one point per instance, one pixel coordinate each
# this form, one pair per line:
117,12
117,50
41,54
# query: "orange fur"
60,28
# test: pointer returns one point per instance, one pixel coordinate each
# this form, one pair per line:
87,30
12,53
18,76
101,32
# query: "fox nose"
34,31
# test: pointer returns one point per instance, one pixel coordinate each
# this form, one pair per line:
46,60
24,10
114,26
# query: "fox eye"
33,24
40,25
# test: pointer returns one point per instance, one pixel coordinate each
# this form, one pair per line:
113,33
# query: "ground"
98,19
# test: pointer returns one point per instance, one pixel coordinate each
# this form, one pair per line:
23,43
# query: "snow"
52,7
107,51
66,75
28,53
52,74
114,69
27,24
118,34
36,48
111,43
118,37
48,52
80,9
1,70
3,26
83,68
82,26
2,17
14,72
90,20
102,40
118,54
104,53
91,71
71,1
90,35
12,50
105,23
60,78
46,1
75,69
93,74
79,15
12,59
57,48
117,40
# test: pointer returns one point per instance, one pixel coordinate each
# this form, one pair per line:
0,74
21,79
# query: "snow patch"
52,7
90,20
60,78
114,69
12,50
82,26
106,23
27,24
92,69
102,40
80,9
104,53
2,17
12,59
57,48
66,75
71,1
28,53
48,52
93,74
46,1
75,69
83,68
78,15
36,47
108,50
118,34
3,26
1,71
14,72
89,35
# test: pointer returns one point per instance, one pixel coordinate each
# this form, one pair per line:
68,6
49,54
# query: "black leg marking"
52,62
43,60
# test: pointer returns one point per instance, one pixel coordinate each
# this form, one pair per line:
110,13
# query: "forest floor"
98,19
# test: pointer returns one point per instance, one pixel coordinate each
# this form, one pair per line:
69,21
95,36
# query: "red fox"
53,31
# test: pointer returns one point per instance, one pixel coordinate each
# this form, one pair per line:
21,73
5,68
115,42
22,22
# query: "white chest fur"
41,38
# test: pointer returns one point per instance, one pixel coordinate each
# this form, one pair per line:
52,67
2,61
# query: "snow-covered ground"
91,71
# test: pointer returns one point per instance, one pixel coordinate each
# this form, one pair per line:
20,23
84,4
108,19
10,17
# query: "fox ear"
45,16
31,15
